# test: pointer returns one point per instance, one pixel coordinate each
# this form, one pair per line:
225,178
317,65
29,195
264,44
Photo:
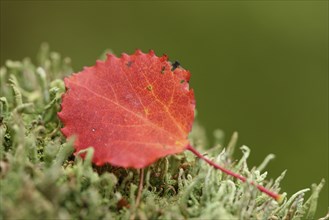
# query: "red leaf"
132,110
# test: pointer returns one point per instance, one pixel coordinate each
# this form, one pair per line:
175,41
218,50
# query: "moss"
41,179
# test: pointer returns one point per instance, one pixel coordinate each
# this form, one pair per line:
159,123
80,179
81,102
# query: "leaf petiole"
276,196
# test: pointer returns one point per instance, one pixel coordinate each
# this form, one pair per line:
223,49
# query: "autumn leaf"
132,110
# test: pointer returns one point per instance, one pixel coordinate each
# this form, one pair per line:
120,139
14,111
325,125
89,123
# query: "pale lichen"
41,179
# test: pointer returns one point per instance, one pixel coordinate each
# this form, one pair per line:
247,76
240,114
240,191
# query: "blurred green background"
258,67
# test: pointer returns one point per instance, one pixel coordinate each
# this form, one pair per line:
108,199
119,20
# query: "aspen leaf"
132,110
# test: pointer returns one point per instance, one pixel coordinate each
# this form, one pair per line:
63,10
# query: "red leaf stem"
274,195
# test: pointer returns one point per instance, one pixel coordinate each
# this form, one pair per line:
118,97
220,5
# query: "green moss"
41,179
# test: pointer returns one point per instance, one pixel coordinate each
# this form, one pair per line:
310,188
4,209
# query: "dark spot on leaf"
175,65
163,69
129,63
182,81
149,87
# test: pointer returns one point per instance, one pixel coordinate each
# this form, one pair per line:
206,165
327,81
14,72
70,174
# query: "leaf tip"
164,58
65,131
138,52
110,56
151,53
125,56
